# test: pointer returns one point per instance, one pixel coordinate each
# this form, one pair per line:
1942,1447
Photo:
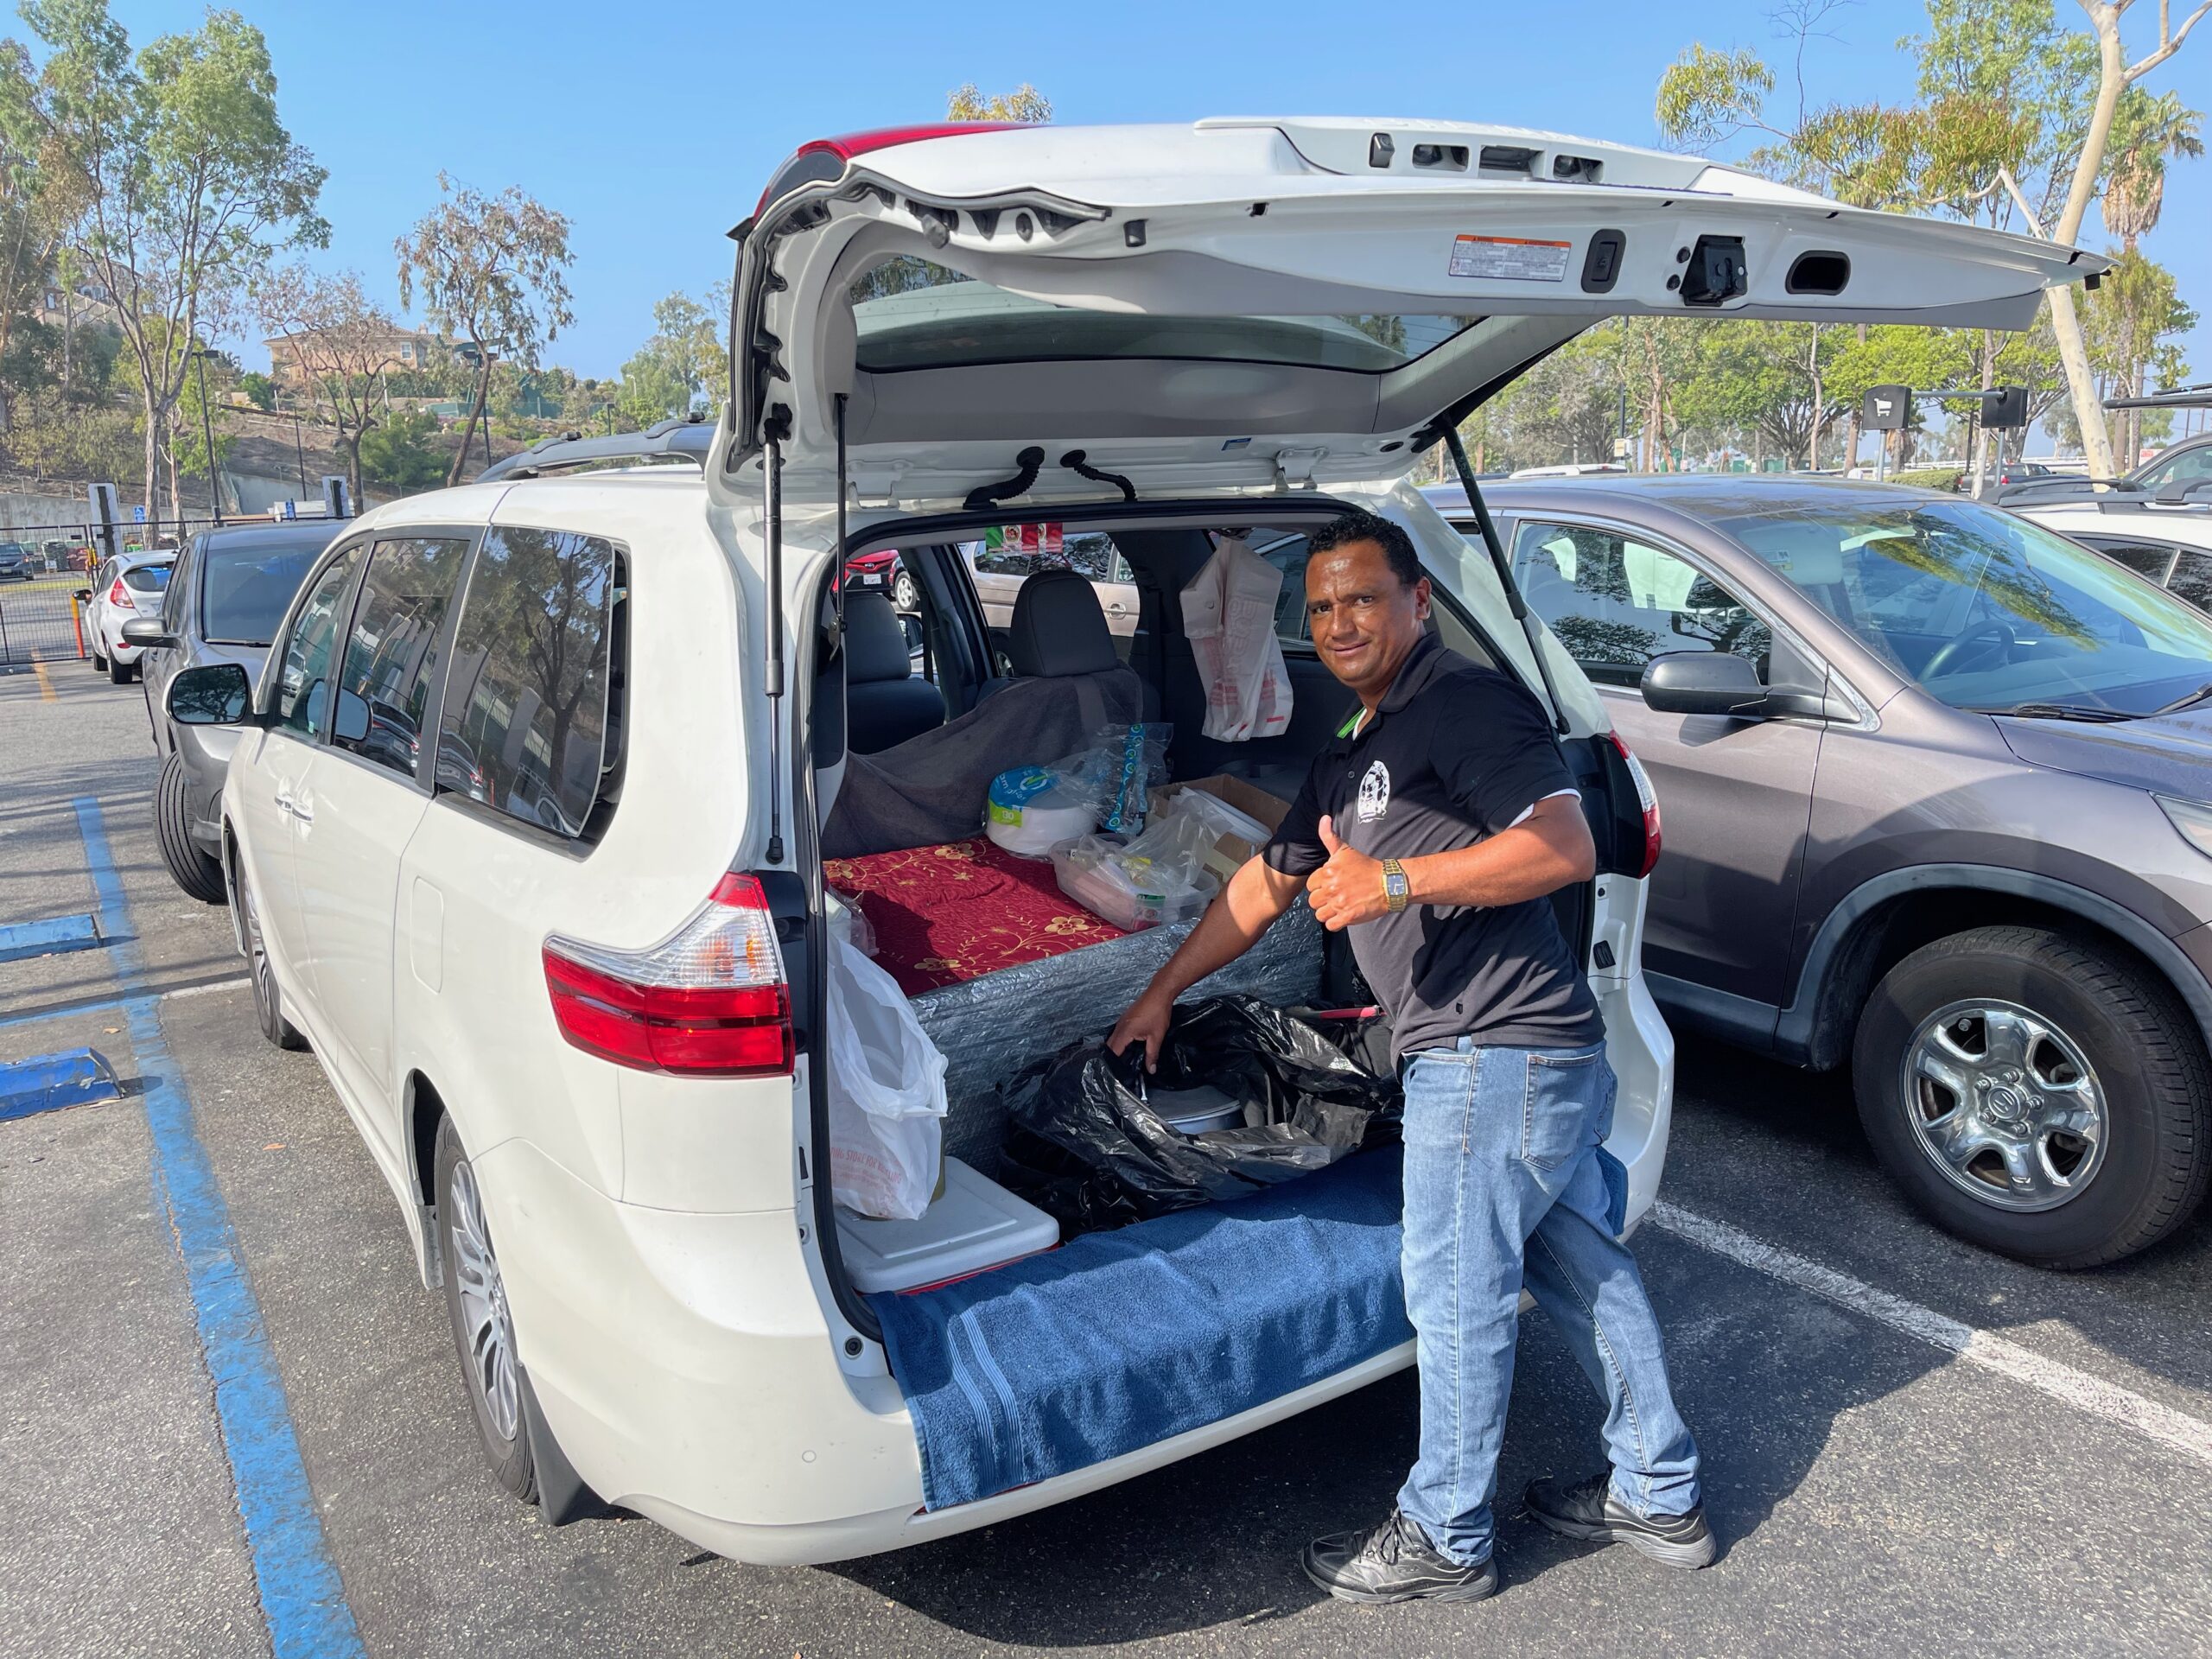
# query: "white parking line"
2061,1382
202,990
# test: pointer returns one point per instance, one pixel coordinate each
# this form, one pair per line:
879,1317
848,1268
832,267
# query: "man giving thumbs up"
1431,831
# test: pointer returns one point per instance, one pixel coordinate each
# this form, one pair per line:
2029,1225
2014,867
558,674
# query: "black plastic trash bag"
1086,1143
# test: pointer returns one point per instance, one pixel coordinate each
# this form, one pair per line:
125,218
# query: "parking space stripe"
302,1599
45,692
2061,1382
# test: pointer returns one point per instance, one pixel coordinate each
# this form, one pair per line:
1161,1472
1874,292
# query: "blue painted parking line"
46,1083
302,1599
21,940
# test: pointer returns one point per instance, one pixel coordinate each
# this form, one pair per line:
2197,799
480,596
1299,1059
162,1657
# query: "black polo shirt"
1455,753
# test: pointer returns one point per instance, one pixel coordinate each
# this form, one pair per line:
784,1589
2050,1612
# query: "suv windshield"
246,586
1986,611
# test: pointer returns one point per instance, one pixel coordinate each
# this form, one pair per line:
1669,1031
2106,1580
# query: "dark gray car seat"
1059,630
885,703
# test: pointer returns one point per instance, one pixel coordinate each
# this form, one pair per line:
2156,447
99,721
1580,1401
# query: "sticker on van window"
1510,258
1024,538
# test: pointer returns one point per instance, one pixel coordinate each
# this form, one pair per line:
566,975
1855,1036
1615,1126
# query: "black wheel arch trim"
1796,1026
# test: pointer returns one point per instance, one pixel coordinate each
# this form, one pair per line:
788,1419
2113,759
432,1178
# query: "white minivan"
528,828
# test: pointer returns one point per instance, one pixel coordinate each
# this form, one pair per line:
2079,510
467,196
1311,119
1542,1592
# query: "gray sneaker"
1393,1562
1589,1511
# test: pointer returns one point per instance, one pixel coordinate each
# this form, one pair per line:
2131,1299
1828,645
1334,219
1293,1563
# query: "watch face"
1394,885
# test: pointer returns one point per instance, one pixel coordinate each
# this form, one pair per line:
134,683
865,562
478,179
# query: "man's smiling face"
1363,618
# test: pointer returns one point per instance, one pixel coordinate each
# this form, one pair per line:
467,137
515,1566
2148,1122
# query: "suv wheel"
268,1001
201,877
483,1330
2035,1094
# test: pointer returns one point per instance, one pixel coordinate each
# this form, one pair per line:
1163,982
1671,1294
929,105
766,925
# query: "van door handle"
286,804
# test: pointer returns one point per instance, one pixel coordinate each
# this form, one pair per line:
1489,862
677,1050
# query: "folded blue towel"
1117,1340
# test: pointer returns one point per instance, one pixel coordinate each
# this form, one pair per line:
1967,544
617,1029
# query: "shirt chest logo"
1374,793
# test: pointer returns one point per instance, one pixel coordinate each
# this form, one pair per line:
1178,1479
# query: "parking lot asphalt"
1911,1447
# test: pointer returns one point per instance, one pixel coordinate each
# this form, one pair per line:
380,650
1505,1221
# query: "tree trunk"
2074,354
468,428
354,465
152,497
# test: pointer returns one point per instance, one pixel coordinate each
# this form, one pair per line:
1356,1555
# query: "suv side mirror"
213,694
146,631
1704,683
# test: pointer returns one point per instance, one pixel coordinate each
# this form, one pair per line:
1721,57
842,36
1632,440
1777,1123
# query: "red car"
880,570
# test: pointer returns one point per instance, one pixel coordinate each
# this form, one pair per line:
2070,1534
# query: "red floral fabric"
945,914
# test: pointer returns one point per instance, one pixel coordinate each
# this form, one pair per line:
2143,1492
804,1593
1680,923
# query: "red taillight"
120,596
860,144
1646,799
709,1000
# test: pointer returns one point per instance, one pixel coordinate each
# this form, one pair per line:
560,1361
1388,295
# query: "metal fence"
41,620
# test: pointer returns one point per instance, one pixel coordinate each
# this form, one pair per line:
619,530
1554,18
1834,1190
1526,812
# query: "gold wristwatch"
1396,889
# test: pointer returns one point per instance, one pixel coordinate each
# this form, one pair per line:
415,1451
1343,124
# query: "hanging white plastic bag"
887,1094
1228,616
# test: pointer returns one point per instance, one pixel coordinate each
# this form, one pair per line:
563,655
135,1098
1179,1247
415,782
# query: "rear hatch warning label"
1510,258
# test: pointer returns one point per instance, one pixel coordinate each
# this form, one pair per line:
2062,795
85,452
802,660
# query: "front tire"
483,1330
2036,1094
268,1001
905,595
199,875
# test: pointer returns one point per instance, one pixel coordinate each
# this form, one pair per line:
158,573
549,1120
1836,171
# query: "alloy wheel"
2004,1104
487,1326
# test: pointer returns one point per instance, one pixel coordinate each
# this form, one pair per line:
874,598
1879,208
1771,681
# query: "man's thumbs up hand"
1349,888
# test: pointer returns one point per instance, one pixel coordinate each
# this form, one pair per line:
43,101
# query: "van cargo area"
1022,1352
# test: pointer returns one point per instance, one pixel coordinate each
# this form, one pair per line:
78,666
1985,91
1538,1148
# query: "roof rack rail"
687,437
2050,492
2197,396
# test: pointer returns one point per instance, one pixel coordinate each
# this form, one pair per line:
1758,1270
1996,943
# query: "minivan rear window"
912,313
527,715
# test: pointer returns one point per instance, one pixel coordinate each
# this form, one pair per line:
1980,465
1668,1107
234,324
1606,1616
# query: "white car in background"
127,585
580,1015
2170,545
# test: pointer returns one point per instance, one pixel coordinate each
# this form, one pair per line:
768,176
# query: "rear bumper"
686,1366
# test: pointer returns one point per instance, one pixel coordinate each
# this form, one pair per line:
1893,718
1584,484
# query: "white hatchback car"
528,828
127,585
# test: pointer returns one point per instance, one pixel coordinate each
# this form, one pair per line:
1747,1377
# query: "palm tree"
2146,133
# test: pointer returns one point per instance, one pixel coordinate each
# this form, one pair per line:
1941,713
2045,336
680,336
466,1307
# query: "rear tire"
268,1001
119,673
201,877
483,1331
1979,1056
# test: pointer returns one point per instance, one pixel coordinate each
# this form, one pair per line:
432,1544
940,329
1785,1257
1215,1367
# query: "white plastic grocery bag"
887,1094
1228,616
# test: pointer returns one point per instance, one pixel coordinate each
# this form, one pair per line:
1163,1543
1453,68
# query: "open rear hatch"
1256,302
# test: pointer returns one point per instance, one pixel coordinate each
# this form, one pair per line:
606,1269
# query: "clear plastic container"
1121,886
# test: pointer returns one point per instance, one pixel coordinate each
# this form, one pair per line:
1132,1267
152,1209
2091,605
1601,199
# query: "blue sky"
654,127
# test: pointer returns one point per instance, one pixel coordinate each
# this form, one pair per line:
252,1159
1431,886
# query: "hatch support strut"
773,462
1514,603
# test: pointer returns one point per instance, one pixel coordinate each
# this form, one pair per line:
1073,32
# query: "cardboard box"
1228,852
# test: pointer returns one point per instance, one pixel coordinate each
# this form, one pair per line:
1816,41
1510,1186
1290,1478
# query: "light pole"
207,435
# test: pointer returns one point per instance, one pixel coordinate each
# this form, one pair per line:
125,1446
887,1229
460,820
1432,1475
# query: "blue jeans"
1506,1185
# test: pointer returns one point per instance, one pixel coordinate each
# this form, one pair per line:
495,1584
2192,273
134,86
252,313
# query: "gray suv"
1937,793
229,591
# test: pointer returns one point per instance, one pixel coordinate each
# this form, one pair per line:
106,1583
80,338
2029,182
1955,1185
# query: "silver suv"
1937,785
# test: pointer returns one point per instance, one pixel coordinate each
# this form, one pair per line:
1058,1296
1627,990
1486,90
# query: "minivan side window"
1615,603
390,661
527,715
302,681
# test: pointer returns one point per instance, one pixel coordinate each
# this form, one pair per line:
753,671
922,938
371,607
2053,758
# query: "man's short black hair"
1357,526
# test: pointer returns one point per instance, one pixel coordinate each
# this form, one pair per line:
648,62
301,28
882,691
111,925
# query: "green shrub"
1929,478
